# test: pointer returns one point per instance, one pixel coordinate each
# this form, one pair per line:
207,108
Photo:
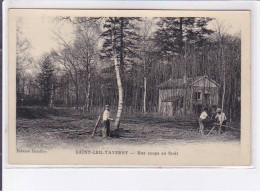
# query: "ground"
49,131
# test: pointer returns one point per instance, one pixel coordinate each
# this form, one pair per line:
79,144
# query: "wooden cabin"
199,92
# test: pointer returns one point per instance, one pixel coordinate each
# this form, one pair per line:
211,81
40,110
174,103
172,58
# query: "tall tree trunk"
224,76
67,92
223,94
87,103
118,78
185,81
224,80
145,87
181,35
77,97
52,96
145,92
121,45
136,98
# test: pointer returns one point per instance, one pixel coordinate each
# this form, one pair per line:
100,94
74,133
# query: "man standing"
106,121
202,120
221,119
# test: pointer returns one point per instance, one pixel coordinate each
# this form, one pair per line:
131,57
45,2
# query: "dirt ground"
75,130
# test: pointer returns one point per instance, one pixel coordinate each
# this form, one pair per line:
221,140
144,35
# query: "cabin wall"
166,93
210,102
171,108
208,90
193,105
212,93
166,109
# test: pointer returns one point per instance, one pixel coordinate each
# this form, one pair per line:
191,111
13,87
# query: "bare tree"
221,36
83,52
67,58
86,43
147,55
23,59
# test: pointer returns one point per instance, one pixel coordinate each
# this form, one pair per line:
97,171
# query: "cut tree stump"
94,131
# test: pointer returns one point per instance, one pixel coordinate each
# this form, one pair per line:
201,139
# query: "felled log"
66,131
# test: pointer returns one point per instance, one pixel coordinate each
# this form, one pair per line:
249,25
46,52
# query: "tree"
146,54
45,79
126,40
175,36
23,60
228,68
66,57
173,33
86,43
87,35
119,83
80,56
120,45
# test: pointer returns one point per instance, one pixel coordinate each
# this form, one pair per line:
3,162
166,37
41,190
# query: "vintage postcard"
129,88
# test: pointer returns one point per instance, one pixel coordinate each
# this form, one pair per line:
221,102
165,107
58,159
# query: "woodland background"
120,61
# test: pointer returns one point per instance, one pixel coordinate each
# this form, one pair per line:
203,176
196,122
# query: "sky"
42,37
39,30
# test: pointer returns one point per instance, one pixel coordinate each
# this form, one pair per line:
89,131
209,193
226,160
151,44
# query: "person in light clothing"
106,121
221,119
202,120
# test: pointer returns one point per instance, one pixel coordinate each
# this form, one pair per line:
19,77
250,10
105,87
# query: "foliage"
148,51
45,79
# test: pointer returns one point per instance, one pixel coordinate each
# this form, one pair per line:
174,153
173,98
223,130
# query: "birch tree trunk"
119,83
145,85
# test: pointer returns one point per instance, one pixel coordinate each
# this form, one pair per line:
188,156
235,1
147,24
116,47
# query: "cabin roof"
179,83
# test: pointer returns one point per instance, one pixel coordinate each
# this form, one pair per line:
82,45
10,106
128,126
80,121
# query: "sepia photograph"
129,88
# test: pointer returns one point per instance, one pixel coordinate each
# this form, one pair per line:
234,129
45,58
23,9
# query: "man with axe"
221,119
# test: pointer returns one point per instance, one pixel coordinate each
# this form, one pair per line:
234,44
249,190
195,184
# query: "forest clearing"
73,129
157,74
